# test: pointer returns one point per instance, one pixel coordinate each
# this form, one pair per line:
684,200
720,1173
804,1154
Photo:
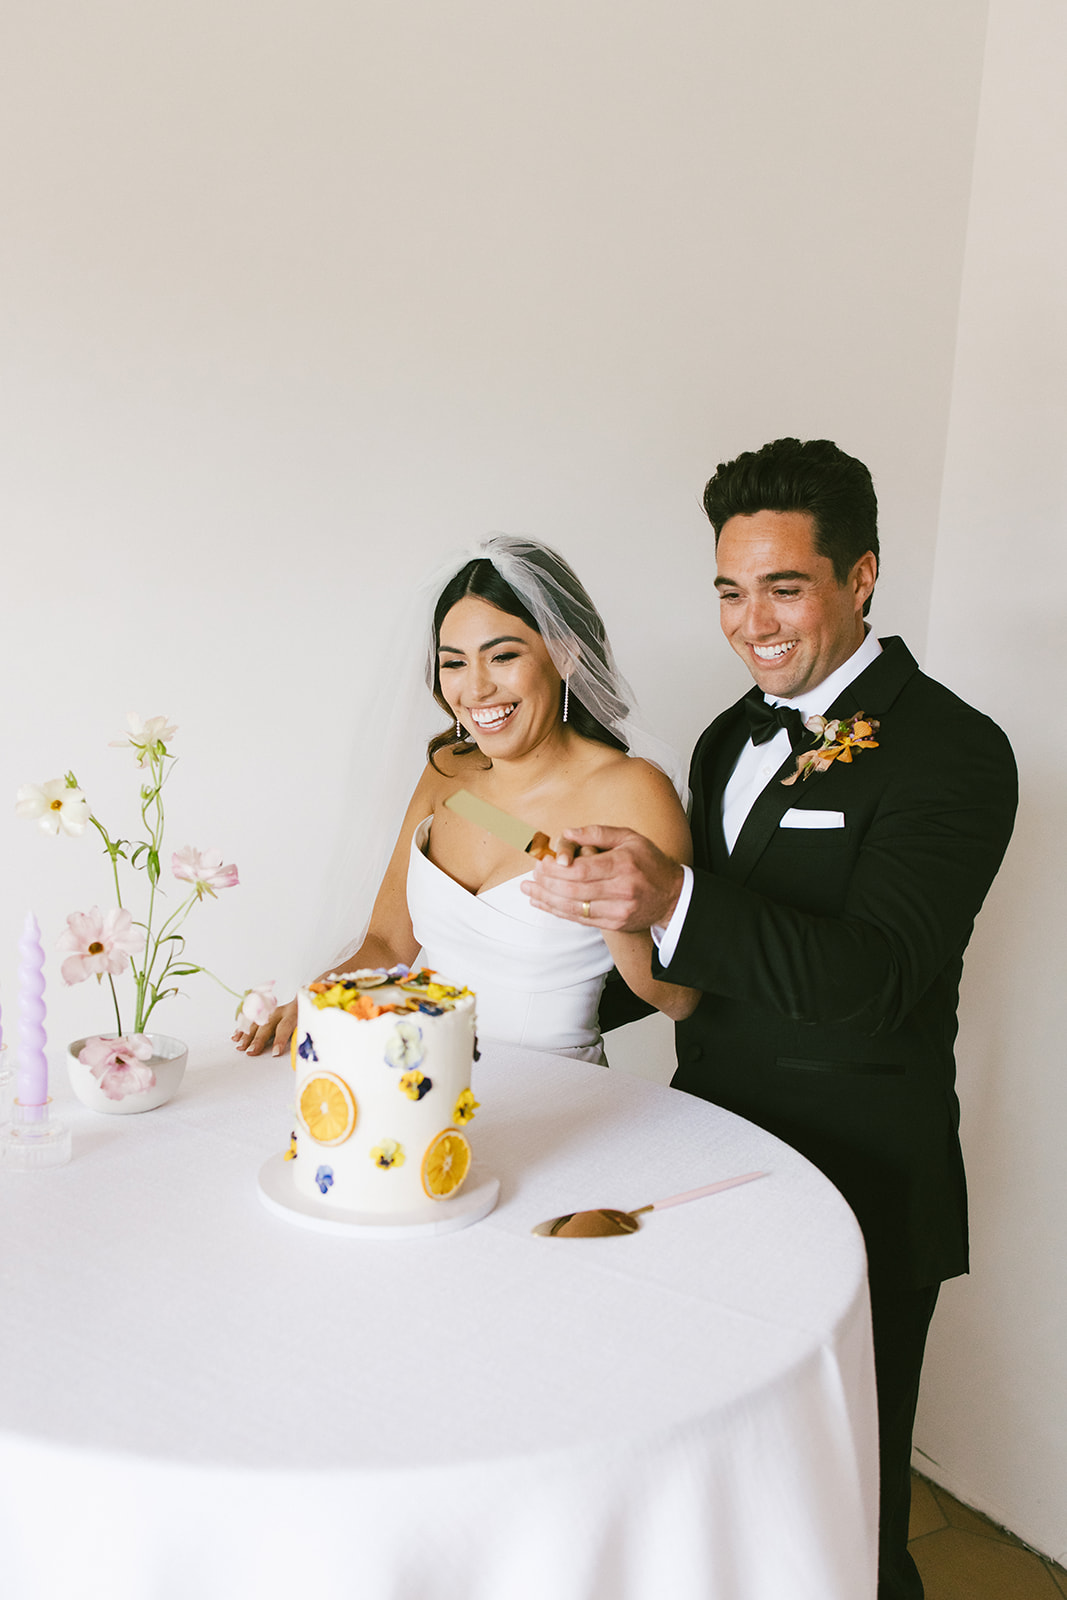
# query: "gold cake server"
606,1221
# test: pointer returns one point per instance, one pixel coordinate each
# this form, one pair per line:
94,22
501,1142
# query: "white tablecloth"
200,1401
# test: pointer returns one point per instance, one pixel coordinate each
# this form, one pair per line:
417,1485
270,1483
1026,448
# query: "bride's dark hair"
481,579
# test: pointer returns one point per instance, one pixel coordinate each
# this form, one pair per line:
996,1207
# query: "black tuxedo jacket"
830,959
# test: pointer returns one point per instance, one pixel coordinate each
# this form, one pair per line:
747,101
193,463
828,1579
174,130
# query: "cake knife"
500,824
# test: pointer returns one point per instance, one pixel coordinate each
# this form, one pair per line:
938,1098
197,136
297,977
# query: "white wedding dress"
537,979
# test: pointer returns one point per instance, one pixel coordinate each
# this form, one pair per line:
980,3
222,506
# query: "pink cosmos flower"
203,868
147,738
100,943
55,805
256,1005
118,1064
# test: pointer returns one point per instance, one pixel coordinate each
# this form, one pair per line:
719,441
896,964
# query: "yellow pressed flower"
336,995
415,1084
465,1107
446,1164
388,1154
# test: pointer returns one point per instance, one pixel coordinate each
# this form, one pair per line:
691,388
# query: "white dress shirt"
756,766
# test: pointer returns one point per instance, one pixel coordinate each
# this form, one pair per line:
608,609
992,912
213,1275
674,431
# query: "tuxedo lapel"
759,827
875,690
873,693
711,773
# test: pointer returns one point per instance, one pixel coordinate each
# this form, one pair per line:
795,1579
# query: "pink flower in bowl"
99,943
203,868
119,1064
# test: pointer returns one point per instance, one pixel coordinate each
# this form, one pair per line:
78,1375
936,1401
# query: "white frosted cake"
382,1095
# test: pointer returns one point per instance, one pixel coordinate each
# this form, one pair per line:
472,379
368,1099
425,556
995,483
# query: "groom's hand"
627,883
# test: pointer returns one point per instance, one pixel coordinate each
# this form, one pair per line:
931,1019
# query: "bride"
542,729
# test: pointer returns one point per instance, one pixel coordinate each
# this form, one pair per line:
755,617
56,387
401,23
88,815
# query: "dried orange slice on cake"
327,1108
446,1164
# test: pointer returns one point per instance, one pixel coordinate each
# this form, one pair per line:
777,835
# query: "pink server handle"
709,1188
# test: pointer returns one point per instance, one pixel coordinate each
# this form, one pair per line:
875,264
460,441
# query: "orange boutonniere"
839,739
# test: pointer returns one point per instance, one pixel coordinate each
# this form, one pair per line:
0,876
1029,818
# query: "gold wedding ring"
585,908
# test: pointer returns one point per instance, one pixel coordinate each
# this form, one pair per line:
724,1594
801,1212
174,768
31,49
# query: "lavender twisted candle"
31,1084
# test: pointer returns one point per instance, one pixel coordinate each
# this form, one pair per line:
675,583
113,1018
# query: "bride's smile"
498,678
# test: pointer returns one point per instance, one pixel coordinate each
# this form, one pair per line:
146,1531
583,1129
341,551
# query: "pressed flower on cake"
388,1154
415,1084
404,1046
465,1107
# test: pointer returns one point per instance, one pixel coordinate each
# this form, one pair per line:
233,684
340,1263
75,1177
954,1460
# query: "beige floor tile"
957,1565
960,1516
926,1514
1057,1575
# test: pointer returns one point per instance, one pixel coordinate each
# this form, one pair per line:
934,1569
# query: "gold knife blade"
499,823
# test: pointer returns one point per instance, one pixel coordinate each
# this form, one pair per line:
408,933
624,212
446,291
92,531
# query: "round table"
201,1399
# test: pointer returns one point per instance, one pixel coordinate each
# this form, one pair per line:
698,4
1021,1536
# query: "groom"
827,915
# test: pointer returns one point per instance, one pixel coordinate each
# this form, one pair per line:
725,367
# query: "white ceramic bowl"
168,1067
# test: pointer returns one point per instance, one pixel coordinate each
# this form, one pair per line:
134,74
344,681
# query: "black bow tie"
765,720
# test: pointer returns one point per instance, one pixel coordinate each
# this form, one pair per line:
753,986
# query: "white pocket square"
795,818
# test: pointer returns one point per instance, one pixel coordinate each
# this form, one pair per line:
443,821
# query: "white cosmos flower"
55,805
147,738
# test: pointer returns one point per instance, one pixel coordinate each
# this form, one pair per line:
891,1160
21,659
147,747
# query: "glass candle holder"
34,1139
7,1085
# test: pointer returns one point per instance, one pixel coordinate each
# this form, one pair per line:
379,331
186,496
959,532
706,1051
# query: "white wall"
993,1414
296,297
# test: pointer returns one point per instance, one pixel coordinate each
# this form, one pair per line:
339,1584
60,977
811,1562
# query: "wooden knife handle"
538,847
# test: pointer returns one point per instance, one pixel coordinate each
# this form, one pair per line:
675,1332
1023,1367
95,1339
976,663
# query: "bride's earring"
566,696
459,729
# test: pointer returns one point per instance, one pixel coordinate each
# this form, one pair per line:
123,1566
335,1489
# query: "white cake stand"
279,1194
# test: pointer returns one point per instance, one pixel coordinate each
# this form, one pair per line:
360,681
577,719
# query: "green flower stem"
159,993
155,834
115,998
182,912
237,994
146,985
113,851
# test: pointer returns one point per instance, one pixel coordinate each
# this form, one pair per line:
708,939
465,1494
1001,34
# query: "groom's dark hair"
814,476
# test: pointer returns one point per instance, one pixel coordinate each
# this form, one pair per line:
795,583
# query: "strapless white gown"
538,980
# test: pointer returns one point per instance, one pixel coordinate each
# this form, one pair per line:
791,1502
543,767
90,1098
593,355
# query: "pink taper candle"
31,1084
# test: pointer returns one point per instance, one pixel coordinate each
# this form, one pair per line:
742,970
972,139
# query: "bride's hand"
278,1026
